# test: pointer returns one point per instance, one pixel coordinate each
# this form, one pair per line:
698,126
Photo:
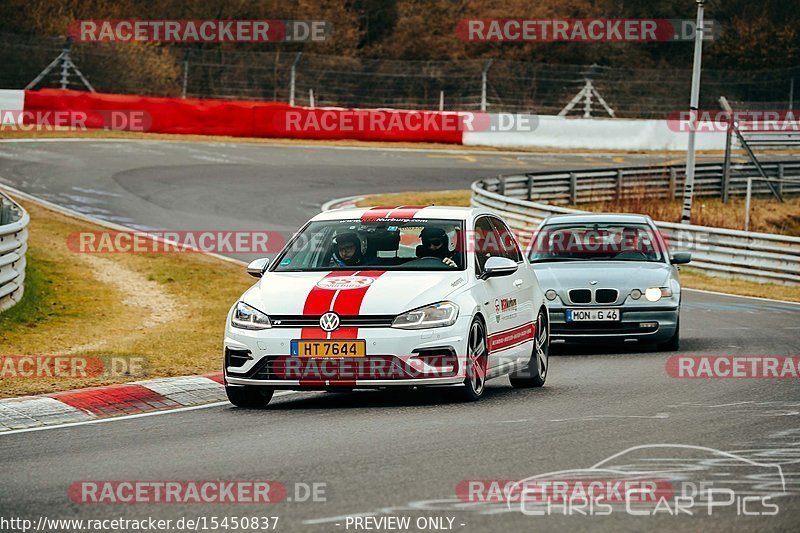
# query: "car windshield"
596,242
415,244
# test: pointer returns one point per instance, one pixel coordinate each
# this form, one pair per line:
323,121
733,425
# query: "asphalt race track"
390,454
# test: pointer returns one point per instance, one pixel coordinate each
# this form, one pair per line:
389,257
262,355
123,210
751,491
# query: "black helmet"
348,238
429,234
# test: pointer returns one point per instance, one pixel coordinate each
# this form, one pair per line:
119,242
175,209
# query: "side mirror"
680,258
498,266
257,267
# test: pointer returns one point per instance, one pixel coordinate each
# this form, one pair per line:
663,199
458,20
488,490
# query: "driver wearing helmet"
347,250
436,244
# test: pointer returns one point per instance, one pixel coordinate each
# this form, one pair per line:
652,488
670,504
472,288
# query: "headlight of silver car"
654,294
248,317
431,316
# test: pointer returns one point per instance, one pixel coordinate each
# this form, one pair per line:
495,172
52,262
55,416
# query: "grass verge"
166,308
691,279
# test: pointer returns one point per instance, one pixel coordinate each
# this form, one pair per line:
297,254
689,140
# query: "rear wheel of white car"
249,396
535,374
477,357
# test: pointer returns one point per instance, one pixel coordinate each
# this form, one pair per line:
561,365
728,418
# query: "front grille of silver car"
606,296
598,296
580,296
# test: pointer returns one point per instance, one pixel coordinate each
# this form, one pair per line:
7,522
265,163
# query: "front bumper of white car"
394,357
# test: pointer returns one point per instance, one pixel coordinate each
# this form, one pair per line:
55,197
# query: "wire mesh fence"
512,86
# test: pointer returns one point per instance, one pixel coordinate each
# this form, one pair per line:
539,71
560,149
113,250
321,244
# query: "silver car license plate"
592,315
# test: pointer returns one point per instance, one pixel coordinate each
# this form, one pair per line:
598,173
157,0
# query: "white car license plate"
592,315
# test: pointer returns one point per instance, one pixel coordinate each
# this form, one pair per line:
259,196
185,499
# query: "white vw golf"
381,297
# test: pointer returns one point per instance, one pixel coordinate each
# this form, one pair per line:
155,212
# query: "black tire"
249,396
477,359
535,373
674,342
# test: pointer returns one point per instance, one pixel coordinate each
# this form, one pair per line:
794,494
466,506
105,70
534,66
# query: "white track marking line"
129,417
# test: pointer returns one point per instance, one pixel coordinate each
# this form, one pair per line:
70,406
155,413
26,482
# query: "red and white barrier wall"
279,120
595,134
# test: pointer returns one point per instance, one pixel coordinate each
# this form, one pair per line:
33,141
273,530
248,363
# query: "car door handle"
518,282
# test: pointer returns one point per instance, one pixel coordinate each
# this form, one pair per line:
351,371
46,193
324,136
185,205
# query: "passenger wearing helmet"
436,244
347,250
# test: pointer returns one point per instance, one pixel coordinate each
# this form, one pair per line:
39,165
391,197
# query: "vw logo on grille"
329,321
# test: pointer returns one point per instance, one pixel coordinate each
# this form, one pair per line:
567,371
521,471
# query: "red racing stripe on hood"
348,303
318,302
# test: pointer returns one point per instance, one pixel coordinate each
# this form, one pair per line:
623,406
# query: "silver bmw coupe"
608,277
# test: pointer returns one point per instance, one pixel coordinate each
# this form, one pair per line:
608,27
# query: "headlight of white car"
248,317
431,316
654,294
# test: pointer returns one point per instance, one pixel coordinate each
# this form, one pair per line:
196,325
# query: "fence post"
530,187
573,188
726,165
673,181
292,77
484,79
185,83
619,184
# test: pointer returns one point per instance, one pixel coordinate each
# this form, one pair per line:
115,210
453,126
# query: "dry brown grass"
72,306
767,215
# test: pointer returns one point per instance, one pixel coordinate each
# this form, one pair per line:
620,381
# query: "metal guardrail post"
573,188
747,204
530,187
726,165
5,213
673,182
780,178
501,185
619,184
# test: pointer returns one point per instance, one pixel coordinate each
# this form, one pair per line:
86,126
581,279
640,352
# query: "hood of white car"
622,275
379,293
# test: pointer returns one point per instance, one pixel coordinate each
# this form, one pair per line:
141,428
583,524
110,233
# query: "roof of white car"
402,212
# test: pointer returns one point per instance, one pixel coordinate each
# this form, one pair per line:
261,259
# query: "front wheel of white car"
249,396
477,359
535,373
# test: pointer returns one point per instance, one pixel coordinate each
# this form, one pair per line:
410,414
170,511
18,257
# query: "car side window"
508,245
486,243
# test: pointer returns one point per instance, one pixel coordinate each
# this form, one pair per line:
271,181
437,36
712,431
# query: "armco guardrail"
581,186
13,245
759,257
